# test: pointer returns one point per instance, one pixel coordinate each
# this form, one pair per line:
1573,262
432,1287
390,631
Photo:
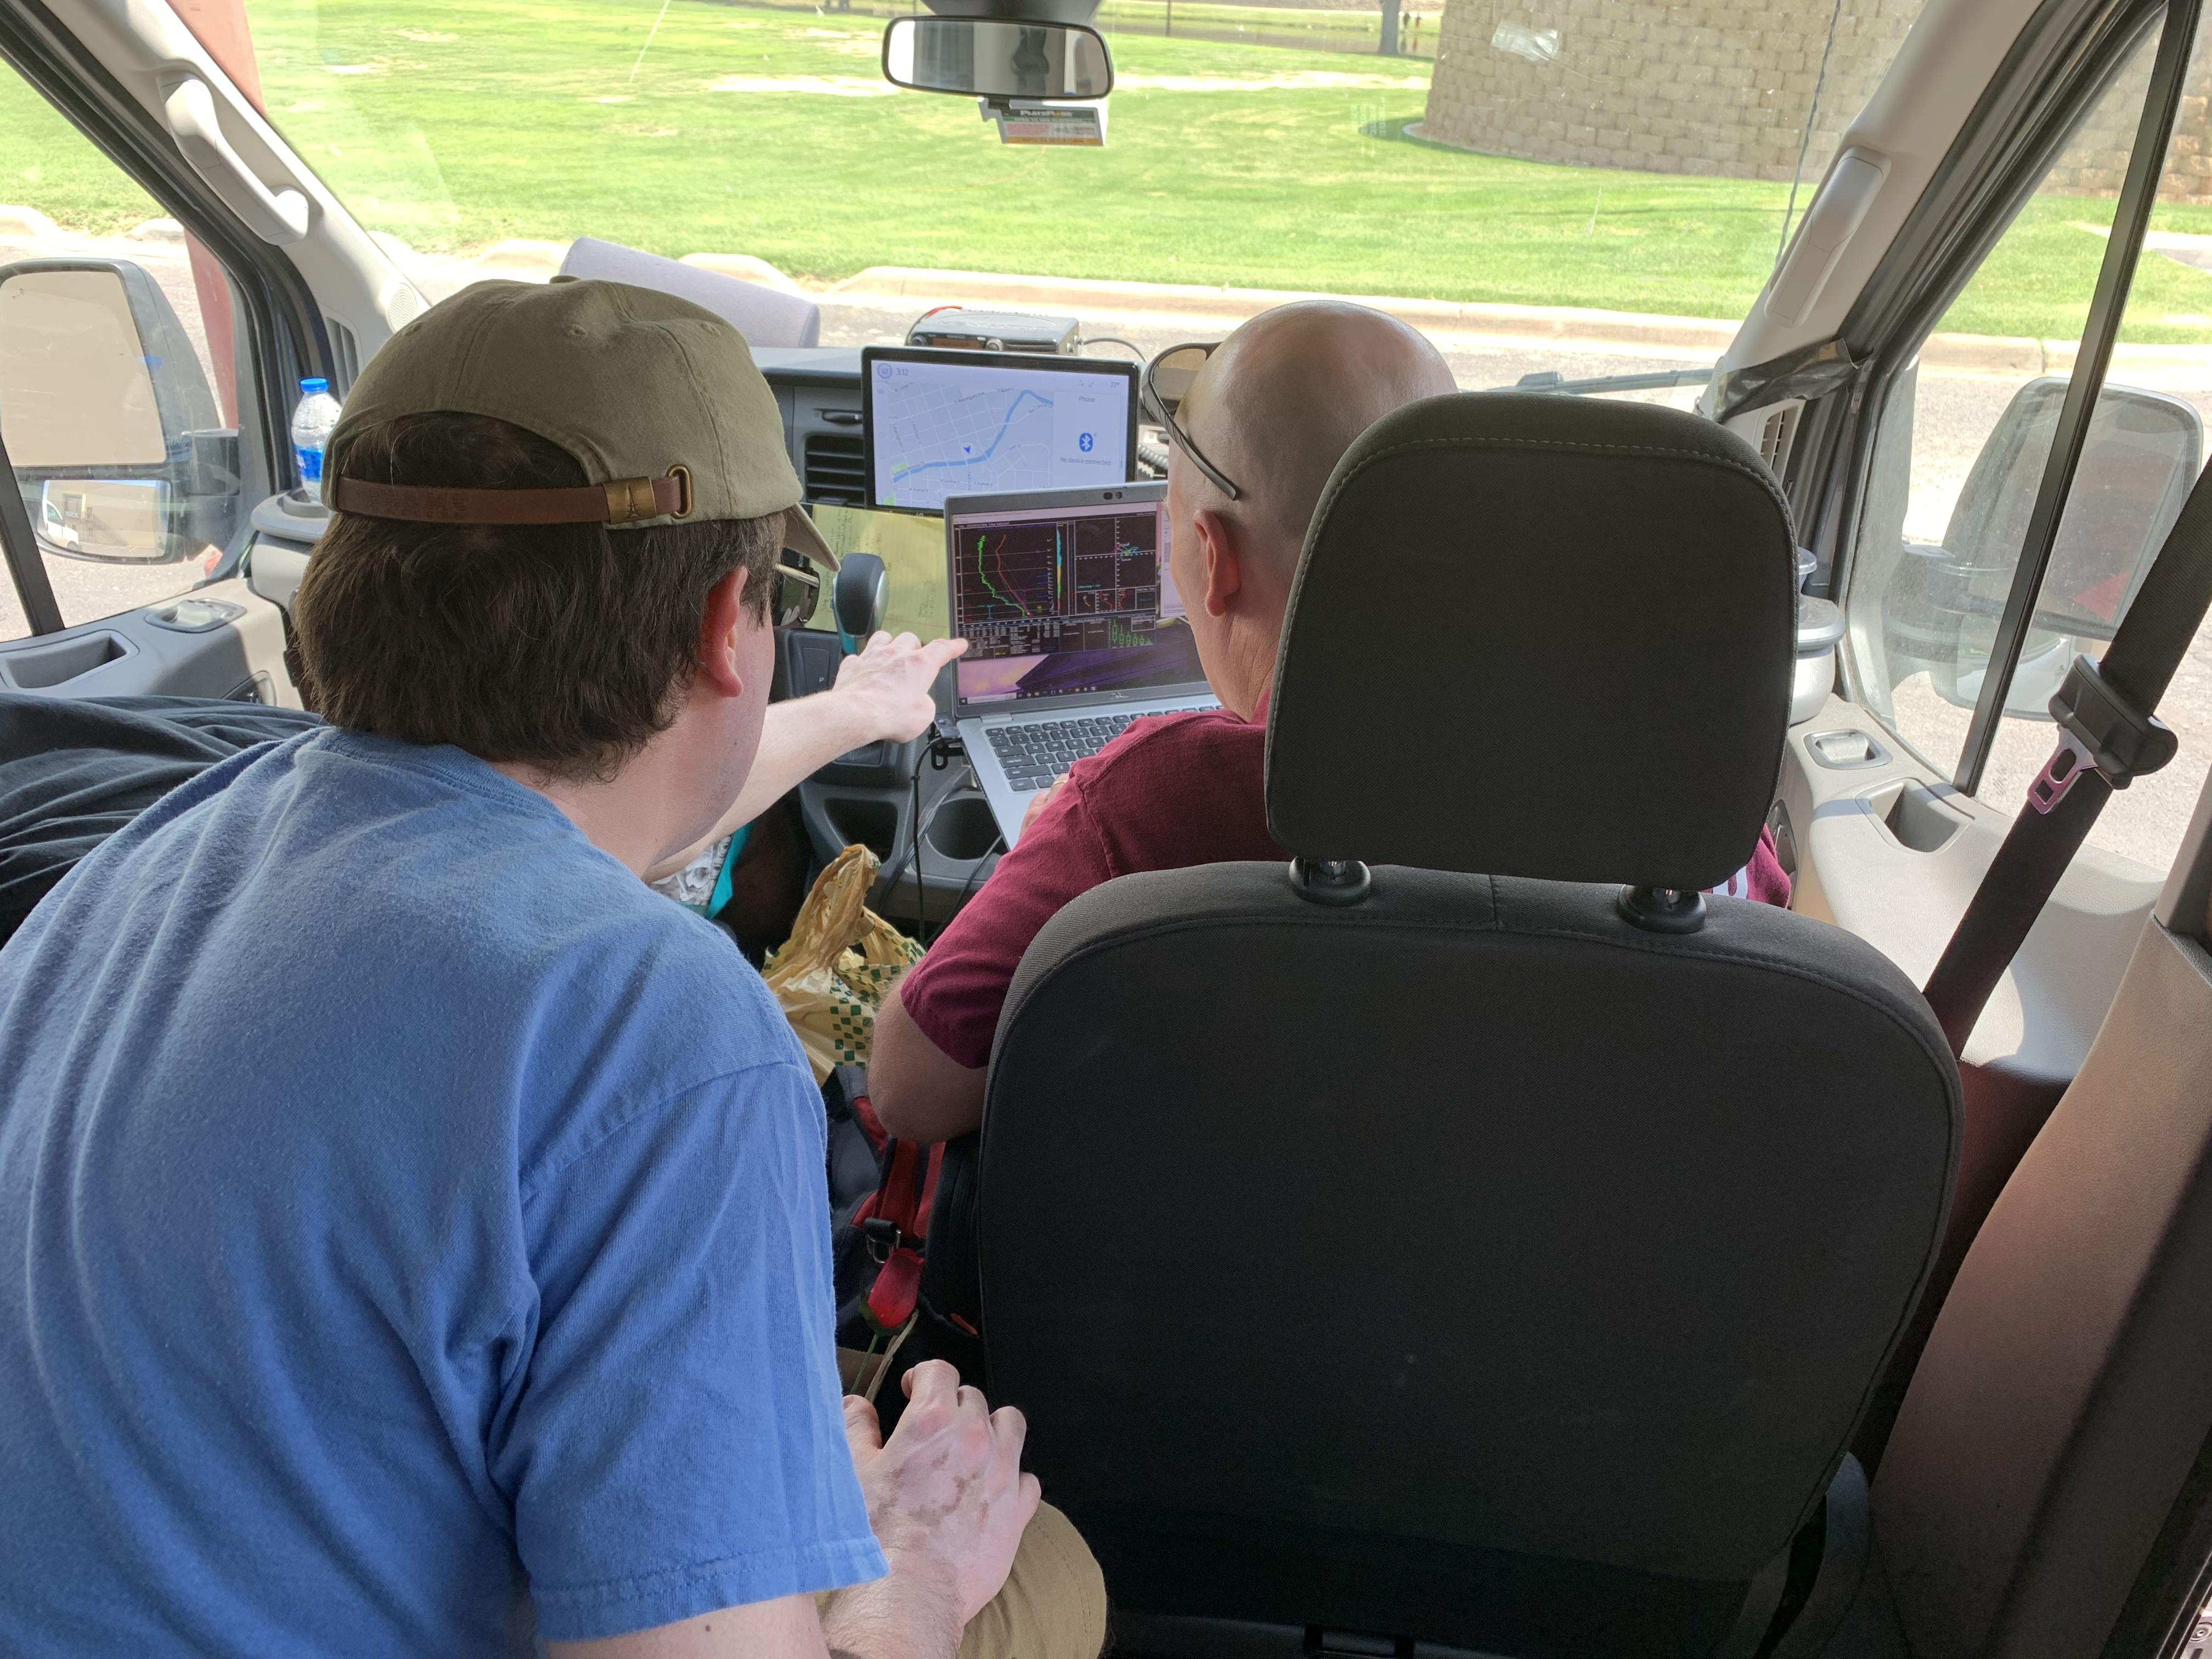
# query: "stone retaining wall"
1703,86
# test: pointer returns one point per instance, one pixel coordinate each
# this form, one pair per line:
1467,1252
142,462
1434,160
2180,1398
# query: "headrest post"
1329,881
1663,909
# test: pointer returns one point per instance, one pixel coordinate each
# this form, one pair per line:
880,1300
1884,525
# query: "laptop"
1073,629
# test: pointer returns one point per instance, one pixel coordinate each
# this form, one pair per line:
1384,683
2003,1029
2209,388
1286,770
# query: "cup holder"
963,829
872,823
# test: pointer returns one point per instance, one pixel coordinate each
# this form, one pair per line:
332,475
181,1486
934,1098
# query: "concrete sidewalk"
1185,310
877,302
1203,309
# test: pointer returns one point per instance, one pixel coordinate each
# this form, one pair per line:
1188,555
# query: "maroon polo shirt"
1172,791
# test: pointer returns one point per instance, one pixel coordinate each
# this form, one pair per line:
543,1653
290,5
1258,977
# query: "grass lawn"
451,126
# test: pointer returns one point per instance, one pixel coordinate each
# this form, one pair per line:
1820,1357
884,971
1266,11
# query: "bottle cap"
314,385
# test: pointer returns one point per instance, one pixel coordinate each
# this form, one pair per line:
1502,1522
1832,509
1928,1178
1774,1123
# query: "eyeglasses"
1167,380
797,590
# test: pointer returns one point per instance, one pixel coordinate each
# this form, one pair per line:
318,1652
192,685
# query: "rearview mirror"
990,58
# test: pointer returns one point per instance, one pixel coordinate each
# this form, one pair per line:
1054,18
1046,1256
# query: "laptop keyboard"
1033,755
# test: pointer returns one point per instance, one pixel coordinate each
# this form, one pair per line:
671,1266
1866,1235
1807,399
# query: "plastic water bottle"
312,424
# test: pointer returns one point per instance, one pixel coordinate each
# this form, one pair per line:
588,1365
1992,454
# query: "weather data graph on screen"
1077,582
939,428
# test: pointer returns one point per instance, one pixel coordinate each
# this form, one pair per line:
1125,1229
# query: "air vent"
345,352
836,469
1779,434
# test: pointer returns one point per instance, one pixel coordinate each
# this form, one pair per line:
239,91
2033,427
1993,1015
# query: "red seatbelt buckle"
890,1300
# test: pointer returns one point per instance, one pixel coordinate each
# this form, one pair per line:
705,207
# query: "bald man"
1273,409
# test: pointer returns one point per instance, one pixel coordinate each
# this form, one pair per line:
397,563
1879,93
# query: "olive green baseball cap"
657,399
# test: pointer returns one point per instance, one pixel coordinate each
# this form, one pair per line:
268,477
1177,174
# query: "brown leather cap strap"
625,501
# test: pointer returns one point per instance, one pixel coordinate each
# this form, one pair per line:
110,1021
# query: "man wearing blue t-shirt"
413,1234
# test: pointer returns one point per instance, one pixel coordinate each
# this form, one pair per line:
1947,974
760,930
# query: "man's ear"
1220,546
720,633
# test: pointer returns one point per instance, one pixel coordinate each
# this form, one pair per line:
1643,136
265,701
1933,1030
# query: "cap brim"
801,535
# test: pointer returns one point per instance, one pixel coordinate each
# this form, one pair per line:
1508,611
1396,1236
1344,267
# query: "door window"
120,377
1960,455
2145,448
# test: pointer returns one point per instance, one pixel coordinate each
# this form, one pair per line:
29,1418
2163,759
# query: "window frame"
34,589
2131,213
2059,65
280,336
2063,61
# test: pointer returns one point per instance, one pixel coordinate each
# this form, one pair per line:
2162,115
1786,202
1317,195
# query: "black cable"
920,892
967,888
890,876
1109,339
942,748
1797,174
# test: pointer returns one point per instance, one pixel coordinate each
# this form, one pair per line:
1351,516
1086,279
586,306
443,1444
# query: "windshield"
1500,179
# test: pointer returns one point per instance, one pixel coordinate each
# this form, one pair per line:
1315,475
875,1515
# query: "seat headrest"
1538,635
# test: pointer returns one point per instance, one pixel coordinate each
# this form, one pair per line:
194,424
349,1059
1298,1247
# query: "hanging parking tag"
1026,122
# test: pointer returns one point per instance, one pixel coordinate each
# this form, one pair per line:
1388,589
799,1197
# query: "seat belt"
2108,738
895,1223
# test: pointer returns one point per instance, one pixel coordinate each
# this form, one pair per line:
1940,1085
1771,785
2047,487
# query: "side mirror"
120,518
2142,453
994,58
105,413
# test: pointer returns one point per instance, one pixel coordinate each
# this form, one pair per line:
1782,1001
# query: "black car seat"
1492,1244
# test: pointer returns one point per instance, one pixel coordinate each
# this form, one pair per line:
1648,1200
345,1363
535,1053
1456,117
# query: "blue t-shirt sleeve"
672,1436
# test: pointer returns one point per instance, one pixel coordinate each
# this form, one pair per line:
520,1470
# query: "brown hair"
563,646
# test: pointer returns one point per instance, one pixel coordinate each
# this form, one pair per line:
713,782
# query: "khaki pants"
1054,1605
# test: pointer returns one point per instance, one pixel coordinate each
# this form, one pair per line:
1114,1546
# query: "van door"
1983,497
137,428
1920,478
168,274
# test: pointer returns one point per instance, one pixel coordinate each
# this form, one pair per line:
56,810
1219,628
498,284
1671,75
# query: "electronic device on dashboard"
939,424
1073,627
956,328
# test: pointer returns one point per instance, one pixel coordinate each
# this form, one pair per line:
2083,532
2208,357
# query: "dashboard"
818,390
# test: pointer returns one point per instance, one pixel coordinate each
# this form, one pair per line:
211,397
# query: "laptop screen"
1056,601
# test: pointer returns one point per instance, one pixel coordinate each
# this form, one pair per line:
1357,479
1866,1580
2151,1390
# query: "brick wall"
1711,86
2094,161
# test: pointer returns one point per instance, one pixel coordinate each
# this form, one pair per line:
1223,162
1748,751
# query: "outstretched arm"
881,693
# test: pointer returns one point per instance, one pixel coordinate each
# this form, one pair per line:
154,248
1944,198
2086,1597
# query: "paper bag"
838,963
